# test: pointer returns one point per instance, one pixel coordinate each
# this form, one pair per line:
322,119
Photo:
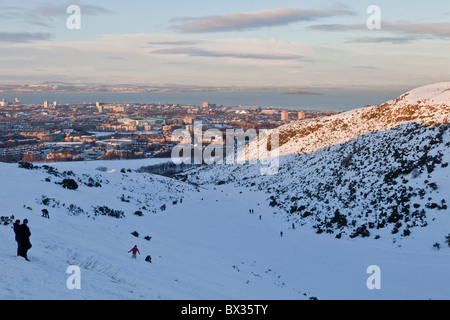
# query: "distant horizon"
328,99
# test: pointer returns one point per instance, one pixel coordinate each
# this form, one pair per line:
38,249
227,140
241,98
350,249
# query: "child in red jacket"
134,250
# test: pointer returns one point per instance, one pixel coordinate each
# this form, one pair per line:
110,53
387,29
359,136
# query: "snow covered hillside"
204,247
386,183
207,247
427,105
391,177
366,187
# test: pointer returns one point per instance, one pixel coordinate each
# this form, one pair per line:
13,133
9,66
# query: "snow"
210,246
429,105
436,93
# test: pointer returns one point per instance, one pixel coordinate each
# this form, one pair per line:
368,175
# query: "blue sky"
232,43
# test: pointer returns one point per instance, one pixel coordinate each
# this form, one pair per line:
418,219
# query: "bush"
135,233
148,238
105,211
138,213
447,239
339,219
360,231
123,199
273,201
27,165
4,220
69,184
74,210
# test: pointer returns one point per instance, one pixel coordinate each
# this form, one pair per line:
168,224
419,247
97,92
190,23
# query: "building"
99,107
269,111
45,104
284,116
301,115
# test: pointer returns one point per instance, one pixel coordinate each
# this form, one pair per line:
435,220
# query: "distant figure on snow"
134,250
24,234
16,226
45,214
281,233
148,259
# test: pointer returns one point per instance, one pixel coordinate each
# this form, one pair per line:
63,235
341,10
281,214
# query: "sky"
230,43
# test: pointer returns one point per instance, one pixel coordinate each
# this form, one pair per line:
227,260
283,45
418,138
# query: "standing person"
134,250
16,226
24,239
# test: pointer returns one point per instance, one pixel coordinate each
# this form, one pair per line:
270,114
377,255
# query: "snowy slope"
390,181
383,173
208,247
427,105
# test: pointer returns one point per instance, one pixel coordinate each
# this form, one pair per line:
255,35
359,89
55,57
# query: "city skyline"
259,43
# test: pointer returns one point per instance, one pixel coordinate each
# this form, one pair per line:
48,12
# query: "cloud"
392,40
366,67
199,52
438,29
43,14
254,20
24,36
338,27
435,29
175,43
48,9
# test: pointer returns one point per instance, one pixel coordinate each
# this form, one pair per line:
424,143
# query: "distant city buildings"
91,131
301,115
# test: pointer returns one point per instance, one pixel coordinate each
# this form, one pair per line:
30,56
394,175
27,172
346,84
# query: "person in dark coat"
45,213
16,226
24,234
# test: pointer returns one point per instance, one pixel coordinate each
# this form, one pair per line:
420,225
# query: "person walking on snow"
134,250
24,234
16,226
